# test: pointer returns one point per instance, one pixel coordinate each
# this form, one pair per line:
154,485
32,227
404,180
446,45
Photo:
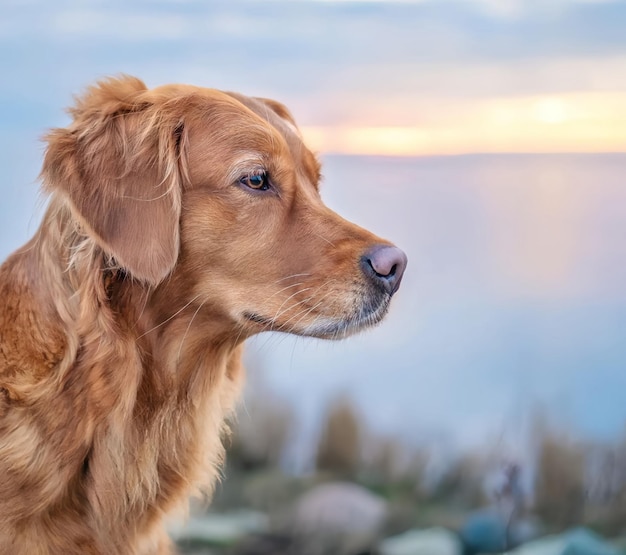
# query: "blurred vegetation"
560,482
339,447
567,482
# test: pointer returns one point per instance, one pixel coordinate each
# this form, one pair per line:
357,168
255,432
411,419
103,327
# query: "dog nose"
384,265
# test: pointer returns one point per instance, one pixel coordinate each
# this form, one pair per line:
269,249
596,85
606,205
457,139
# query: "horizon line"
471,154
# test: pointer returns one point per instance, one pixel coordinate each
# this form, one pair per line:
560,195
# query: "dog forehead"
223,116
259,119
279,117
230,104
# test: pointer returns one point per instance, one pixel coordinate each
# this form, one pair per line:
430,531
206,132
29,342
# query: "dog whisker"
187,330
325,239
168,319
291,307
272,321
283,289
292,276
278,311
306,312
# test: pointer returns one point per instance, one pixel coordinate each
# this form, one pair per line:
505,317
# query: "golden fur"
122,320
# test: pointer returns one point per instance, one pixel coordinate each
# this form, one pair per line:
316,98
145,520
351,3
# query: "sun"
550,110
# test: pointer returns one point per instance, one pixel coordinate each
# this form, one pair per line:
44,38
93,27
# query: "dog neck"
148,392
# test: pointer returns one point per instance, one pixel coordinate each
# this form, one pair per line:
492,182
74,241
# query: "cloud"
430,67
569,122
109,25
411,31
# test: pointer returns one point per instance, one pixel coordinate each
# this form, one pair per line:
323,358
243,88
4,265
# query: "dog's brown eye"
256,181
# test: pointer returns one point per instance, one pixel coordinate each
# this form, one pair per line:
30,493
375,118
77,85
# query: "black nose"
384,265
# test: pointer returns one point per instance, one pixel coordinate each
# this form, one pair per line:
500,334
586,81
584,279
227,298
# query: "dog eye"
257,181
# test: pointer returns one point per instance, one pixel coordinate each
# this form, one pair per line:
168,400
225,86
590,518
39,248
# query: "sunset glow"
570,122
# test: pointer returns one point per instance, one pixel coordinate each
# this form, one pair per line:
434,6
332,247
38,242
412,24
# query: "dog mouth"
328,327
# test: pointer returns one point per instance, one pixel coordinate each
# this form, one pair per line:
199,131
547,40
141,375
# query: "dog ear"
121,167
280,109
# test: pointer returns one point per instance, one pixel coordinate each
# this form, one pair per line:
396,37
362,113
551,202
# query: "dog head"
215,196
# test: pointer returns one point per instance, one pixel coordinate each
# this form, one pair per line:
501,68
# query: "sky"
373,77
515,290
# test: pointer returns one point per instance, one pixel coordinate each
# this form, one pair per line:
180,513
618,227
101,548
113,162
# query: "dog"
181,221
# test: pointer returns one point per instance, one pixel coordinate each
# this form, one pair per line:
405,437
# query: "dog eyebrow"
247,163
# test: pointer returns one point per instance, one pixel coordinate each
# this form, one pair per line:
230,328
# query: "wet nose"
384,266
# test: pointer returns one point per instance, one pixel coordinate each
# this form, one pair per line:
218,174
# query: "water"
514,299
515,295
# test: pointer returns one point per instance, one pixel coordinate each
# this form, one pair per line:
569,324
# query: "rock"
434,541
584,542
488,531
337,518
550,545
485,532
220,529
576,542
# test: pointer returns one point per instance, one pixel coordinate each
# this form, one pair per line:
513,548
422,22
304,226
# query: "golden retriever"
181,221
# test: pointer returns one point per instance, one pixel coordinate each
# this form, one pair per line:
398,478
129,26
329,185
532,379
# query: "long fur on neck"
139,405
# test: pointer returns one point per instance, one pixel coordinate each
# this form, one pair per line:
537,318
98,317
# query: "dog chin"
340,329
325,327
